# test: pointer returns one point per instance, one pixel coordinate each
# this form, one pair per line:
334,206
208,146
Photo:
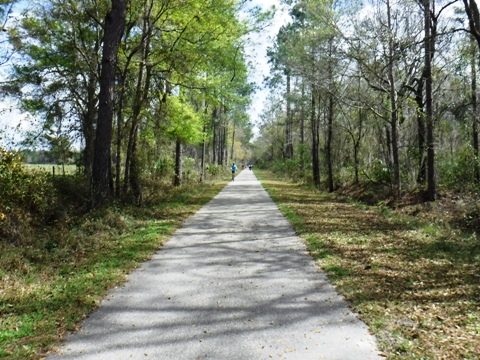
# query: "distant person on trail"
234,170
250,167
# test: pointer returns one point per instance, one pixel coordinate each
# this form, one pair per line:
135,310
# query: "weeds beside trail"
52,281
416,284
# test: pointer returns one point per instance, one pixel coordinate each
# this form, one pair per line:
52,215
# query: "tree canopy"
375,91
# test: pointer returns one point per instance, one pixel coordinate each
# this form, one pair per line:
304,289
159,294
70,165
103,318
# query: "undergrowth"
58,259
412,273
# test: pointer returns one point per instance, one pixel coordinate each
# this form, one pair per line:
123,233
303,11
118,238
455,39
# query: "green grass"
48,287
415,284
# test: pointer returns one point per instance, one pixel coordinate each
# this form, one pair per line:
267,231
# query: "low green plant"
214,170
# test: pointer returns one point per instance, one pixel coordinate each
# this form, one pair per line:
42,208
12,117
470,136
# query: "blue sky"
258,56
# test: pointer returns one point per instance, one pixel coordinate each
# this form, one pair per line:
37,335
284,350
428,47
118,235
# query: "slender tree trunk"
356,145
288,123
225,147
315,139
302,116
204,146
474,112
215,138
388,140
135,185
330,114
422,167
102,174
118,157
394,107
89,120
431,185
473,15
178,163
233,143
331,185
303,150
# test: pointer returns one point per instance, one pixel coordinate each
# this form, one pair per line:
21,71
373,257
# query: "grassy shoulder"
48,286
414,282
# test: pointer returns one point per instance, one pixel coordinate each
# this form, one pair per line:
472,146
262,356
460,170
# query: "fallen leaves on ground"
414,281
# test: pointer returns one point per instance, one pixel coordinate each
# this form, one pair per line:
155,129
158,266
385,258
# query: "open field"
52,169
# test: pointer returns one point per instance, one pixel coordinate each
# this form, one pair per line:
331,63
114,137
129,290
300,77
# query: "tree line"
379,90
138,83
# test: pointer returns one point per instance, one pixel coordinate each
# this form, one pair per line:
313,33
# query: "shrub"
21,191
379,172
457,170
163,167
214,170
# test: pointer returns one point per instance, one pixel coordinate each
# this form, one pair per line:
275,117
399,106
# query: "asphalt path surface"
234,282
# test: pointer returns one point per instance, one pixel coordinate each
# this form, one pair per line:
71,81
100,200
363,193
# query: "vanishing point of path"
233,283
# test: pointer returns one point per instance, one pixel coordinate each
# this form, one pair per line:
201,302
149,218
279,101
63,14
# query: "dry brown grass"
414,280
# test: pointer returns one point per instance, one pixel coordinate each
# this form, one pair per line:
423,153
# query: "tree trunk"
431,185
356,145
331,185
204,146
303,150
474,113
101,170
233,143
422,167
88,127
388,140
288,122
215,138
135,185
315,140
394,108
118,157
178,163
224,143
473,15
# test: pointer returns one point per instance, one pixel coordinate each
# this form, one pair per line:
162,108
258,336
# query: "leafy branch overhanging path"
233,283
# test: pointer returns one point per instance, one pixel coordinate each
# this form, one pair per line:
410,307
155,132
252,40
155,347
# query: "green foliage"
190,169
379,172
22,192
457,170
185,123
214,170
290,168
163,167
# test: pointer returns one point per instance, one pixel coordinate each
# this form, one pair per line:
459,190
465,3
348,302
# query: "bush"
457,171
214,170
379,172
31,201
31,191
163,167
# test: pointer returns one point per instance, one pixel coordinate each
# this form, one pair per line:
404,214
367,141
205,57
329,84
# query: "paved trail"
233,283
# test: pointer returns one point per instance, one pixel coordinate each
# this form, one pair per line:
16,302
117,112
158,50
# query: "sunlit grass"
416,285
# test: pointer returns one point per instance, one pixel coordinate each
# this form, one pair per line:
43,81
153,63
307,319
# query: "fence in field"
53,169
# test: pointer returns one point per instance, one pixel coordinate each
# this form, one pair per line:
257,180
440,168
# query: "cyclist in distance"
234,170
